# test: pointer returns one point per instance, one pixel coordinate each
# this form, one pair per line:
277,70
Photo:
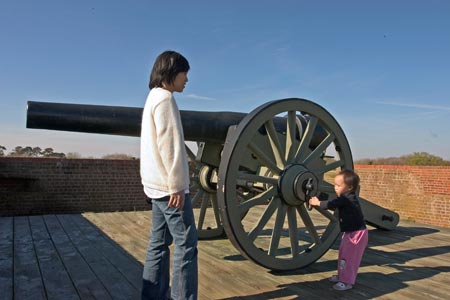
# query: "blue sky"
381,68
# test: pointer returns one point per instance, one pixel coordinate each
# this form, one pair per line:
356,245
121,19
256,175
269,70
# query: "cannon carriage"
269,161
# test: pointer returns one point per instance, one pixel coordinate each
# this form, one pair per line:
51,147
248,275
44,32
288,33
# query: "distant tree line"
414,159
29,151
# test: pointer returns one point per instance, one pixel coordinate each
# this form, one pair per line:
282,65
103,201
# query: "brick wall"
43,185
419,194
47,185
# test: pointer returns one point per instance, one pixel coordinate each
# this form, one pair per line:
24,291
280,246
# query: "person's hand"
177,200
314,201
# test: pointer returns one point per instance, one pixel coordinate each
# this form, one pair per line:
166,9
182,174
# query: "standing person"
165,177
352,224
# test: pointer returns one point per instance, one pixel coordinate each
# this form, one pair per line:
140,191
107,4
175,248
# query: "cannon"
267,162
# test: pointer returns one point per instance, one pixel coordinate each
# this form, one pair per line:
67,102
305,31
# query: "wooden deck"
100,255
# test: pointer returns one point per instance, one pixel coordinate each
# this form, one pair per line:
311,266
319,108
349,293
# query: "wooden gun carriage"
269,162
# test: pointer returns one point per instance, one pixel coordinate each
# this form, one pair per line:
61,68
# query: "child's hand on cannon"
314,201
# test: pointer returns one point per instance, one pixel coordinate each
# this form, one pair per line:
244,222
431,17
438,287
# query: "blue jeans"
169,225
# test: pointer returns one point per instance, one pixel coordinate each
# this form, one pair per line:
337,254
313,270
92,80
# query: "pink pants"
350,254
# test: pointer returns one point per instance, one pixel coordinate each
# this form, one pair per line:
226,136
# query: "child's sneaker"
340,286
334,279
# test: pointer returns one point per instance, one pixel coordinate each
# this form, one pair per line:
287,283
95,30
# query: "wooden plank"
412,262
121,259
86,242
224,274
86,283
6,257
57,282
130,230
28,283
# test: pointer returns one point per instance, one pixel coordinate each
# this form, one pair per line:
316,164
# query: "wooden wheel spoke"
277,230
202,215
292,222
320,148
291,139
215,208
304,144
309,224
197,196
194,185
264,159
275,144
257,178
258,199
326,213
329,167
265,217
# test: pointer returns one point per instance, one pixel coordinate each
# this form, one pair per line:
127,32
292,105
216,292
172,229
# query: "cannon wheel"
284,235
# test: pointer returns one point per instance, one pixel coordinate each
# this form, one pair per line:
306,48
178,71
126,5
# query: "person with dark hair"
351,221
165,177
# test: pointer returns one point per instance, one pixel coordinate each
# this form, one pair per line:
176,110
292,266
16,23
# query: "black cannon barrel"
198,126
125,121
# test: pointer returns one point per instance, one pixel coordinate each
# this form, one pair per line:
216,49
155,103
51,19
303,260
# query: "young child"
352,224
165,177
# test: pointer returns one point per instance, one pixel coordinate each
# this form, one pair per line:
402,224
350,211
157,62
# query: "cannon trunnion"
269,162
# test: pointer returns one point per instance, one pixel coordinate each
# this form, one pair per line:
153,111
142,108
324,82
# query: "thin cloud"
193,96
415,105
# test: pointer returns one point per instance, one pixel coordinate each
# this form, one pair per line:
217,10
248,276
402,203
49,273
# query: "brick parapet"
31,186
417,193
48,185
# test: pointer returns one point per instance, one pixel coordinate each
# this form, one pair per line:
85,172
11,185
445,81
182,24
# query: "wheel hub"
208,178
297,184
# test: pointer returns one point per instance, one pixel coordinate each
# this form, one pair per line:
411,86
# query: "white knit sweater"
164,165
